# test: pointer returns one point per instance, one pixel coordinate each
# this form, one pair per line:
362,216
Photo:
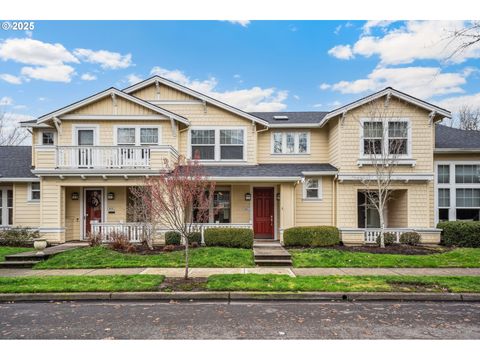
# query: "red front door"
263,213
93,208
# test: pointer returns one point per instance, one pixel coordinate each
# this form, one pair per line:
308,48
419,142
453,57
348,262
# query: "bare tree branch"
11,134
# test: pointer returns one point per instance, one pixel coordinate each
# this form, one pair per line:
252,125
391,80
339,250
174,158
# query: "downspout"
334,200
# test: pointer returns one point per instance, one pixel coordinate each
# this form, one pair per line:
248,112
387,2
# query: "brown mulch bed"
180,284
391,249
157,249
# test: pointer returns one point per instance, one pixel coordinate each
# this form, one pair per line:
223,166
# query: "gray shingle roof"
452,138
15,162
294,117
266,170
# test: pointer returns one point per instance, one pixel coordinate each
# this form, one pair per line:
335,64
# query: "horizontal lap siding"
240,207
72,212
25,212
119,204
318,148
313,213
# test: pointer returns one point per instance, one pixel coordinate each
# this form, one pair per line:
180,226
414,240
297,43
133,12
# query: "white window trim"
284,143
217,143
30,199
96,131
3,205
137,134
452,186
320,189
40,138
408,155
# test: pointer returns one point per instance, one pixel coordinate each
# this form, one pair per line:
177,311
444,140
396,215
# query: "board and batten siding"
149,93
105,106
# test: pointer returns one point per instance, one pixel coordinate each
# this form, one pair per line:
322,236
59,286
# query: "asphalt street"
260,320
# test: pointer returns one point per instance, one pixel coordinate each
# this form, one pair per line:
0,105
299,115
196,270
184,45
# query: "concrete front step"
18,264
275,262
21,257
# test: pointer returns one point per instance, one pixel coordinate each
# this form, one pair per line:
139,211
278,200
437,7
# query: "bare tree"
385,140
10,133
178,200
465,38
468,118
138,211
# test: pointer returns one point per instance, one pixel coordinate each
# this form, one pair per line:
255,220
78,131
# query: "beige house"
272,171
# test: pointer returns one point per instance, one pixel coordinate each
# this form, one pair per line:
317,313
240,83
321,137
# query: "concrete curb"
227,297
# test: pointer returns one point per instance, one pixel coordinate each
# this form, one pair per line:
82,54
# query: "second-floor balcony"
104,157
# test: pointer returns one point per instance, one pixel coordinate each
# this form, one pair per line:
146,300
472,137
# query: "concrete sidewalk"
205,272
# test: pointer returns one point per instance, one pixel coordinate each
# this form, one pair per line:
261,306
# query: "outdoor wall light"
248,197
111,196
278,196
75,196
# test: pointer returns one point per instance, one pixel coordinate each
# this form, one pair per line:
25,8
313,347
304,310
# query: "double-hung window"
34,191
312,189
126,136
385,137
48,138
217,144
137,135
290,142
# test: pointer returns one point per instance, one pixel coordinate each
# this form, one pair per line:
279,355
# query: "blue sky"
257,65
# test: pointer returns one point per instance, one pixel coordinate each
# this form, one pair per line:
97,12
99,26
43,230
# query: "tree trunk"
382,229
186,257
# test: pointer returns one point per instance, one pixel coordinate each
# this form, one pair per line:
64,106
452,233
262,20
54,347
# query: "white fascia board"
380,94
319,173
16,180
399,177
94,172
455,150
196,94
294,126
35,125
254,178
113,117
119,93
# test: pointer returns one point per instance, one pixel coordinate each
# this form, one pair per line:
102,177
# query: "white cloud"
369,25
343,52
296,97
325,86
455,103
423,82
317,105
34,52
6,101
12,79
243,23
88,77
133,79
58,73
41,98
106,59
253,99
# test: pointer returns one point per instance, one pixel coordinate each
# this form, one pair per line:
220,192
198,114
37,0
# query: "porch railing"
372,234
134,232
103,157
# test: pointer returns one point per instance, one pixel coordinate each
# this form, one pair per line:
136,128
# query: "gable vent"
280,117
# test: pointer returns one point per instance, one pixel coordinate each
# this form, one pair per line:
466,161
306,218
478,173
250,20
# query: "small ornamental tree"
178,200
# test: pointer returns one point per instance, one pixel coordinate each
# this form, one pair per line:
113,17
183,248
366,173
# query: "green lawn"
255,282
8,250
100,257
35,284
464,257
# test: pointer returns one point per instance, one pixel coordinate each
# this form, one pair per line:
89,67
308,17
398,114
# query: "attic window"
280,117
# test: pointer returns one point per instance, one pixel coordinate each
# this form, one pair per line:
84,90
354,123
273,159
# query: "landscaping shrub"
172,238
18,236
94,239
228,237
119,242
460,233
388,239
194,237
311,236
410,238
168,248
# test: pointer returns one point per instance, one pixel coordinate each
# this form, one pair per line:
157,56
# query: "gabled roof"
109,92
292,118
391,92
15,163
195,94
448,139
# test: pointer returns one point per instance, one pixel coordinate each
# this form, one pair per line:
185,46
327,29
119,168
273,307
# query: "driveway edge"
225,296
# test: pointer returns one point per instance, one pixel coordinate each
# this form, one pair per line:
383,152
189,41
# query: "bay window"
295,142
219,144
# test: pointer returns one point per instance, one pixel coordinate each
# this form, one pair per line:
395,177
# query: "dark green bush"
229,237
194,237
410,238
18,236
172,238
311,236
460,233
388,239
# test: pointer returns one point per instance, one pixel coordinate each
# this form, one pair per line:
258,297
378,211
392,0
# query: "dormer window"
291,142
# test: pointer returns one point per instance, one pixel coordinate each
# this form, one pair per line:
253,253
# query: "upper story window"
48,138
386,137
138,135
217,144
312,189
295,142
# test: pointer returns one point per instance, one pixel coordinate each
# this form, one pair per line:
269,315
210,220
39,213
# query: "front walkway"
205,272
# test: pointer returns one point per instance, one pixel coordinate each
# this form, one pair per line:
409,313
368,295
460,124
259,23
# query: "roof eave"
456,150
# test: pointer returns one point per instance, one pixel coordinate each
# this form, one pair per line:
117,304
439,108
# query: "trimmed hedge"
460,233
311,236
18,236
410,238
388,239
229,237
174,238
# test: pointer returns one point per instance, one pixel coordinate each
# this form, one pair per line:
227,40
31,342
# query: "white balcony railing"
103,157
372,234
134,232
